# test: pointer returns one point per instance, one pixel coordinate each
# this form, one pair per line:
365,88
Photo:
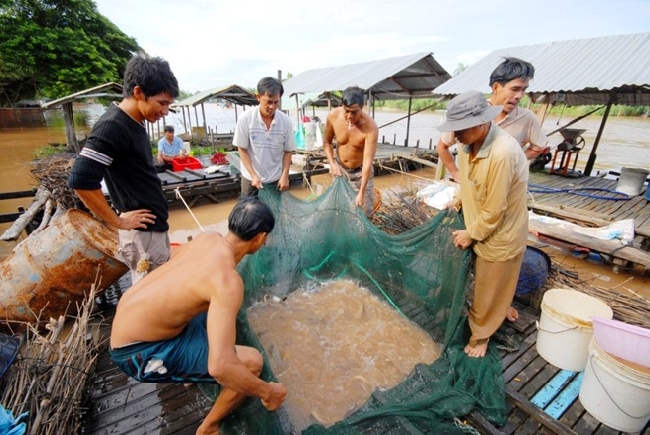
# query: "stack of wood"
53,197
49,377
401,210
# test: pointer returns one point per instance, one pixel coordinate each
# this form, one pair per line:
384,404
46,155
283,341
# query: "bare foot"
512,314
479,350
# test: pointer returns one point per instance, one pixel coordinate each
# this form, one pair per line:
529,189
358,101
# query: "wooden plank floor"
592,205
591,202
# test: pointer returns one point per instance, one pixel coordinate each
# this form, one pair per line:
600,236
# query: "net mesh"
419,272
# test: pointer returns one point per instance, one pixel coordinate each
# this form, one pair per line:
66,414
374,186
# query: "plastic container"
533,272
179,164
615,393
565,327
629,342
631,181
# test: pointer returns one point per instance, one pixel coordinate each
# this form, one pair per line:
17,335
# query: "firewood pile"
401,210
52,198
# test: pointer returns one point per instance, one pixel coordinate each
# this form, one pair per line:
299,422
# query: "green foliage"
416,104
49,150
616,110
52,48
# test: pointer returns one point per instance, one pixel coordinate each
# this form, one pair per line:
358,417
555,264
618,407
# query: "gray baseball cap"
467,110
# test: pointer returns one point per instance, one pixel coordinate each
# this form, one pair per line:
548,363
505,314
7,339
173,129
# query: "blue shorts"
183,358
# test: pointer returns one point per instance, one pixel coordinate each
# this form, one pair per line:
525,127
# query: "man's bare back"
168,309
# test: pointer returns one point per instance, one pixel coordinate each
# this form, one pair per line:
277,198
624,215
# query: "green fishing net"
419,272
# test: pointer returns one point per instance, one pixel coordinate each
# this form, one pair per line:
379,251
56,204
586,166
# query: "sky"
216,43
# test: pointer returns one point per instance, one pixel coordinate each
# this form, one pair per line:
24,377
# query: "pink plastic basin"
629,342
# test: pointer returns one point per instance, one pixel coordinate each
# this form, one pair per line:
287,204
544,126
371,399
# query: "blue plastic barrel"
534,271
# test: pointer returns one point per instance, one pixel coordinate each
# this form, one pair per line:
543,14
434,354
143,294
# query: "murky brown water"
328,371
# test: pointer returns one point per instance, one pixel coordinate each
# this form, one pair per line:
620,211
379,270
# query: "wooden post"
592,155
205,124
68,117
184,120
408,122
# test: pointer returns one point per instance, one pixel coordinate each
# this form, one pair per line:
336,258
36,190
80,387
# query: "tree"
52,48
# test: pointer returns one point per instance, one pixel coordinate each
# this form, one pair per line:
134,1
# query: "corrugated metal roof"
415,75
233,93
97,91
586,70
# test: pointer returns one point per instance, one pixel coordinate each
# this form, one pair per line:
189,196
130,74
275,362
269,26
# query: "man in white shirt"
265,140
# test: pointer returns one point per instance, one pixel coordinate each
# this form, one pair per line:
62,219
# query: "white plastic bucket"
631,181
615,393
565,327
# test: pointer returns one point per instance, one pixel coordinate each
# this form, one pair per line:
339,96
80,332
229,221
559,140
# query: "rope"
379,287
575,191
179,196
402,172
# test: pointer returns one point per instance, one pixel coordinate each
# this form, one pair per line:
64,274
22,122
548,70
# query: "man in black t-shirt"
119,151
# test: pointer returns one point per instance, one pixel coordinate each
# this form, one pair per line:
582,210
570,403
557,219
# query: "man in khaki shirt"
509,82
493,182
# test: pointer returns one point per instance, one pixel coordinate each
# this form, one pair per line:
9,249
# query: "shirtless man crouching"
177,324
356,136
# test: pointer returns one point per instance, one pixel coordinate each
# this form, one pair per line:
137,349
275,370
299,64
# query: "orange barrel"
51,271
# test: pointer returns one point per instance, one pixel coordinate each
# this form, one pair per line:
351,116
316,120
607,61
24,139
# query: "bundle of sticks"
49,377
53,196
401,210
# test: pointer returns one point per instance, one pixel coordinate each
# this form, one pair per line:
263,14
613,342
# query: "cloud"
214,43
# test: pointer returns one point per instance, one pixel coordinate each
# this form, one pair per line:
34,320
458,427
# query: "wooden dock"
591,202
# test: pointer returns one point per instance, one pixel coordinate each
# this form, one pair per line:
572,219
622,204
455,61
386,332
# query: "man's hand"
283,184
359,200
276,397
256,181
454,204
462,239
335,170
135,219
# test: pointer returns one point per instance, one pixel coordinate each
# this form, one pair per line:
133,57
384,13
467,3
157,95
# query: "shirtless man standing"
180,327
356,137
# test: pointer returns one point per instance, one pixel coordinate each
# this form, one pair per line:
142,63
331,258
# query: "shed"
404,77
107,90
605,70
234,94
